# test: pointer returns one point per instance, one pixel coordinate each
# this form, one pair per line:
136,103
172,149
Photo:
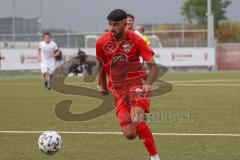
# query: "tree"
195,10
228,32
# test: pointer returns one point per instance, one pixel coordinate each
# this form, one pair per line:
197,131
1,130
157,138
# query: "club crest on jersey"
126,46
110,47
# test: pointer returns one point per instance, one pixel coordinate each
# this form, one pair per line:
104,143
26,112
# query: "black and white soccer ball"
49,142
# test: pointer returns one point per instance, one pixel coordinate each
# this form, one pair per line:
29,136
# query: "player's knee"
130,132
130,136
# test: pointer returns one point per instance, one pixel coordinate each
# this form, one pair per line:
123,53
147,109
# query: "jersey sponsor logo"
119,57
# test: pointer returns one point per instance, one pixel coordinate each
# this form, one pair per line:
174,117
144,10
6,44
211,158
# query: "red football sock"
146,137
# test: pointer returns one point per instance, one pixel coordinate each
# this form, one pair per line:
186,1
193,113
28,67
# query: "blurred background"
211,27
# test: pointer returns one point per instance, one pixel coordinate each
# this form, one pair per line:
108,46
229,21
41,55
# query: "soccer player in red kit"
121,73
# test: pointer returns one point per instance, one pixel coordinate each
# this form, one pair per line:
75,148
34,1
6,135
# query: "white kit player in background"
46,56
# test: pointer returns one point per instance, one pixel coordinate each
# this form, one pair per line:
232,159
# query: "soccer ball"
49,142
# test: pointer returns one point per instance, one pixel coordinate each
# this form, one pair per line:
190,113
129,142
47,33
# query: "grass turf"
25,105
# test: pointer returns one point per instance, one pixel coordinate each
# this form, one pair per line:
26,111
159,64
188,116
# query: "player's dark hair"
47,34
106,30
117,15
130,15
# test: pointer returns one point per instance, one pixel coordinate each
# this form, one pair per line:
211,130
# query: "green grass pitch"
200,103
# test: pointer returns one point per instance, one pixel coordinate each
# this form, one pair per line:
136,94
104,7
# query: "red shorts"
135,97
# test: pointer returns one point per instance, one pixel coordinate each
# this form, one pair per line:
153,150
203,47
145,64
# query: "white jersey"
46,51
47,59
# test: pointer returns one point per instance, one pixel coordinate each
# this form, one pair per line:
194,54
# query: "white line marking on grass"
210,85
205,81
120,133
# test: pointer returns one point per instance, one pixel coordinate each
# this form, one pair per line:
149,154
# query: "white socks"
155,157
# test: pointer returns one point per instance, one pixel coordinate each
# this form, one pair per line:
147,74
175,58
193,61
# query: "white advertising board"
26,59
183,57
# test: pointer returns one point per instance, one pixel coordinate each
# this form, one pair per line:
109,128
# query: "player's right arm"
102,77
102,80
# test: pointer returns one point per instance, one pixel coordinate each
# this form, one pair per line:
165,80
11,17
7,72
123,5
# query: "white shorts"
47,67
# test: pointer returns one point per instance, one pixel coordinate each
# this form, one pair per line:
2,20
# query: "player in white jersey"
46,56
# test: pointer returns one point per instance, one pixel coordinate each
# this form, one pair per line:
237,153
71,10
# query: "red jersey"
121,59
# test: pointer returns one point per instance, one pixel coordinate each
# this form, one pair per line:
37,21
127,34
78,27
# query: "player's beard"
114,34
118,35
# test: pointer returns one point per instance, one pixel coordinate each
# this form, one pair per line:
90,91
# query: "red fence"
228,56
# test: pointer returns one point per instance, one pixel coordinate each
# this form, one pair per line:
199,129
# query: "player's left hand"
146,89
